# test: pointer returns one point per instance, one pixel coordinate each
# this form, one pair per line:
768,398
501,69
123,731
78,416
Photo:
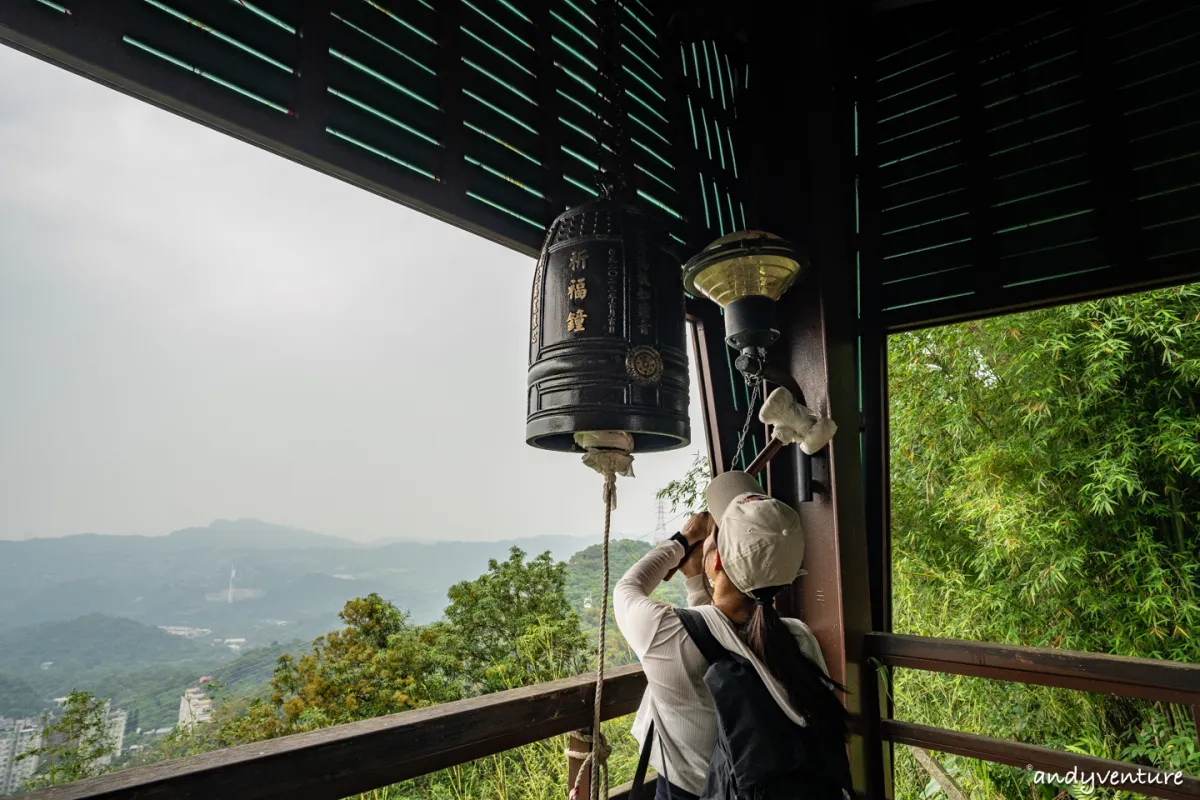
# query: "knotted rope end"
599,753
611,454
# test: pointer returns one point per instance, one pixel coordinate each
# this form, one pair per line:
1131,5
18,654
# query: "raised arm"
637,613
699,528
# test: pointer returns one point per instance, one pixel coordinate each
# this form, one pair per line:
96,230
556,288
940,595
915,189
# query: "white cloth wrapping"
609,453
606,461
795,424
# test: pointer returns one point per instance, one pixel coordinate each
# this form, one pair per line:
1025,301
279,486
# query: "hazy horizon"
193,329
376,541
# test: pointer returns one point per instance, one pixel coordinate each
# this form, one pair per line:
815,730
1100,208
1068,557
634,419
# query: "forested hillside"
512,626
585,573
18,698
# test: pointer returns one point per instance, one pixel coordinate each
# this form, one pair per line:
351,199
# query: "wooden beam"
348,759
803,180
987,278
1027,756
880,6
872,358
577,745
721,419
1147,678
764,457
1109,151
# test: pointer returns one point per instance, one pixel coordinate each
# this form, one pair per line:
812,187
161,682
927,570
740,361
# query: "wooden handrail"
1146,678
1028,756
356,757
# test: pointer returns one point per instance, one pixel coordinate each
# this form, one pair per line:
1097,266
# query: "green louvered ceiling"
1034,154
481,112
713,85
714,82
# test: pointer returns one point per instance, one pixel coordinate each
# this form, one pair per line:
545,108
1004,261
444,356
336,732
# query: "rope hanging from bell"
611,454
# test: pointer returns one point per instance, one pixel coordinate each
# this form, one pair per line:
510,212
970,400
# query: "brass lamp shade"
745,273
743,264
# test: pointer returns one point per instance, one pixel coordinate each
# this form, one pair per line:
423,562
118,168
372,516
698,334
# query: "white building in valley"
194,708
185,632
18,736
114,730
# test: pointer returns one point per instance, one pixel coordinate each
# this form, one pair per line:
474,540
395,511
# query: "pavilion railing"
348,759
343,760
1145,678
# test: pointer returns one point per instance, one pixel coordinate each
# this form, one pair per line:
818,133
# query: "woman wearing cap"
753,552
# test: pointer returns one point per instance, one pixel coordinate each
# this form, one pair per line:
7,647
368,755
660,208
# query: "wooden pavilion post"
799,112
577,745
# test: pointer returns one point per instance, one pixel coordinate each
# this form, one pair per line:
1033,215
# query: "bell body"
607,342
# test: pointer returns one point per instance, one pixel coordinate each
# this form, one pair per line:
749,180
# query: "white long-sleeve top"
676,699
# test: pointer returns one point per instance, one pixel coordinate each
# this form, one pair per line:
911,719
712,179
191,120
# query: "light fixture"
746,273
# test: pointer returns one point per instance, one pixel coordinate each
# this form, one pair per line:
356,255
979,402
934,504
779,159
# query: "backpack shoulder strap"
639,775
697,628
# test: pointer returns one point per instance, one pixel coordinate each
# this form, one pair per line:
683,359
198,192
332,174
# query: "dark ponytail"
810,690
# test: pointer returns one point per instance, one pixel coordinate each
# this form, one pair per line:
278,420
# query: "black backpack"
760,753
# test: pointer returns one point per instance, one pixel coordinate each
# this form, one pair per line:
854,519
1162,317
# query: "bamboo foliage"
1045,485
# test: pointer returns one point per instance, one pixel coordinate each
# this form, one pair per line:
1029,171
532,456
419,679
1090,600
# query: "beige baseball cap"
760,539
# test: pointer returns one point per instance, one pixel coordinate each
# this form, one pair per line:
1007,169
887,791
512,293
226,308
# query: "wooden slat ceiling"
479,112
1027,155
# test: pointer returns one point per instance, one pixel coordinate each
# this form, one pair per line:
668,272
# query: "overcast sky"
192,328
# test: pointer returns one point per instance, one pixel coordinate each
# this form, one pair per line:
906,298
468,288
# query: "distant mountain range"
87,611
298,579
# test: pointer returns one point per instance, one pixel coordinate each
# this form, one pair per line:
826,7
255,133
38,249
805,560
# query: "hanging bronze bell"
607,338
